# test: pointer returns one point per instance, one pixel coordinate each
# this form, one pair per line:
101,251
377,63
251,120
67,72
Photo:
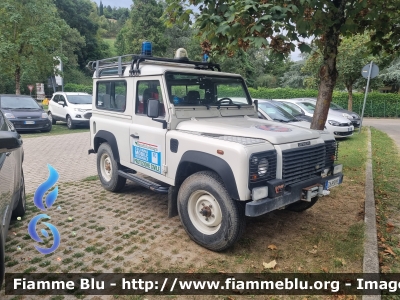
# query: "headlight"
262,167
44,116
9,116
79,109
355,116
347,116
333,123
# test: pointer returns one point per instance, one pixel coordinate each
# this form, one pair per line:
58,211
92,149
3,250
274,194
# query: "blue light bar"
146,48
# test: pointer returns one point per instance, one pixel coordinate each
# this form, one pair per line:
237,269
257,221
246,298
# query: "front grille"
302,163
344,124
332,148
256,180
345,133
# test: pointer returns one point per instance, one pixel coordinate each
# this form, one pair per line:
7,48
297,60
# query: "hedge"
377,105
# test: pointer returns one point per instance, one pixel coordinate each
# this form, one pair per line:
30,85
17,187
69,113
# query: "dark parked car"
12,184
25,113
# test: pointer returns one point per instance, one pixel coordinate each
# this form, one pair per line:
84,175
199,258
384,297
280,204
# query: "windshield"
276,113
309,107
334,106
289,107
18,102
206,90
80,99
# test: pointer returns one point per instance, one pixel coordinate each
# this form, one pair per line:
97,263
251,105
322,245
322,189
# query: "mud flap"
173,201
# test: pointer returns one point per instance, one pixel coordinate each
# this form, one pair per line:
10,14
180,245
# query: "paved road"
67,153
390,126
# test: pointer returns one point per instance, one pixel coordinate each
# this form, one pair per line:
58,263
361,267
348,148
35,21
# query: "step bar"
144,182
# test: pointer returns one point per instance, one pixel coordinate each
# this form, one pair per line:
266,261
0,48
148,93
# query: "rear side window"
111,95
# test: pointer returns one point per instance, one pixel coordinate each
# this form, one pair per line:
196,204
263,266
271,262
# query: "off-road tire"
53,121
70,123
107,169
20,209
206,188
300,206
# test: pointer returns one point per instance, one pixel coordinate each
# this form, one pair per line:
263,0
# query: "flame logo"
32,232
38,201
44,187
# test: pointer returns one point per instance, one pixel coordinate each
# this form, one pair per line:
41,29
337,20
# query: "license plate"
29,122
332,183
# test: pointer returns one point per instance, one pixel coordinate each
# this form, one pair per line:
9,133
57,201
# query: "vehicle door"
62,109
8,169
147,137
55,107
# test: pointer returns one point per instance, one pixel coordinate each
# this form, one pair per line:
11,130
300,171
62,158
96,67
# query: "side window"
3,124
55,99
111,95
62,98
145,90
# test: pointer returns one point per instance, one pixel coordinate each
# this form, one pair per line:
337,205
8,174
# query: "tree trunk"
350,92
18,80
328,75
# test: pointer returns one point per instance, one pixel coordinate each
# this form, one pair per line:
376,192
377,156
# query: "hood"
82,106
25,113
273,132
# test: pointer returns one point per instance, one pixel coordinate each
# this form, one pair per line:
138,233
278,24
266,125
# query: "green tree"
144,24
101,9
280,24
294,77
30,32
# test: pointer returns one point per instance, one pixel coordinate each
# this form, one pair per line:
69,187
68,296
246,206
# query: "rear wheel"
210,217
70,124
107,169
20,210
300,206
53,121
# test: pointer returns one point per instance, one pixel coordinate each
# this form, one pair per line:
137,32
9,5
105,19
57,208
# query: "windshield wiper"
26,108
283,121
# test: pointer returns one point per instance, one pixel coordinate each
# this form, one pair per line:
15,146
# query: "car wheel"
53,121
48,129
210,217
70,124
20,210
300,206
107,169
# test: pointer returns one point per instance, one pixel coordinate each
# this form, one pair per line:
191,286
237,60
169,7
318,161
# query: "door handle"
134,136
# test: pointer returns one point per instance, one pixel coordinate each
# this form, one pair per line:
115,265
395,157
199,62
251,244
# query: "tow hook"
310,192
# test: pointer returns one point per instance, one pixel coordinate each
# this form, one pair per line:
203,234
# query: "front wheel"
300,206
210,217
107,169
51,117
70,124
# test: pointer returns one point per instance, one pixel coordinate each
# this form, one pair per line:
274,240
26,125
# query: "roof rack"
134,60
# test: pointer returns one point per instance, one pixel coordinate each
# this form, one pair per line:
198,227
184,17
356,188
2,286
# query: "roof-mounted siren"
147,48
181,54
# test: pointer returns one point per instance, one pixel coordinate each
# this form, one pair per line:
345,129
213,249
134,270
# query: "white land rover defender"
195,131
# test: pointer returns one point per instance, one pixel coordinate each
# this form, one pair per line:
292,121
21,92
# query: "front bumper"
291,195
26,125
356,123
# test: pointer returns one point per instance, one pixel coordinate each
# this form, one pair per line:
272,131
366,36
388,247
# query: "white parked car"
338,125
70,107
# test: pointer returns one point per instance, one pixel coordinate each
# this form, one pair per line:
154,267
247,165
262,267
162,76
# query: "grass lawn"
59,128
386,170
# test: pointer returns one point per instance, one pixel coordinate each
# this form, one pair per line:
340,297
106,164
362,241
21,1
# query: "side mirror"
256,104
61,103
41,105
9,141
153,108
